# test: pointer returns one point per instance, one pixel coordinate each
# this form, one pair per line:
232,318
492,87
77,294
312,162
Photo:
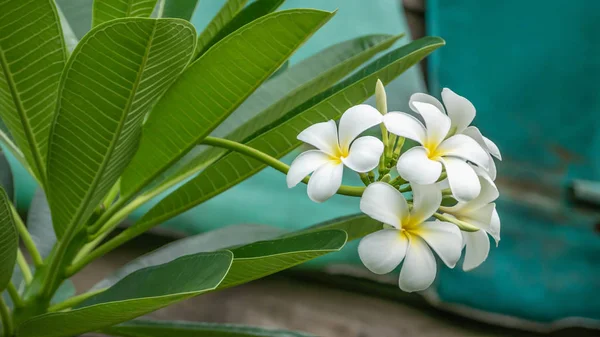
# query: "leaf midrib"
23,117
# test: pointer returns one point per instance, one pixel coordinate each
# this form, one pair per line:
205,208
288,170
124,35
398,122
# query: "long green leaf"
139,293
225,14
106,10
215,85
222,238
264,258
113,78
280,95
356,226
250,13
9,240
32,56
6,176
182,9
279,138
141,328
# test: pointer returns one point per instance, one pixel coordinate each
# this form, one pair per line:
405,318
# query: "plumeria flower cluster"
435,197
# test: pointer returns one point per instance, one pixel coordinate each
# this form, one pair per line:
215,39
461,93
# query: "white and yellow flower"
334,150
481,213
461,112
423,164
410,236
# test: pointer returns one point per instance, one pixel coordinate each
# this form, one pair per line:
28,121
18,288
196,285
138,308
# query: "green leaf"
252,12
206,242
183,9
6,177
264,258
139,293
225,14
141,328
280,95
31,60
356,226
279,138
112,79
106,10
9,240
213,87
39,223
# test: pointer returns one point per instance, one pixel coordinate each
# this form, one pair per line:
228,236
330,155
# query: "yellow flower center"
432,150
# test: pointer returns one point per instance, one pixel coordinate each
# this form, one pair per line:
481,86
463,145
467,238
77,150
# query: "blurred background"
531,69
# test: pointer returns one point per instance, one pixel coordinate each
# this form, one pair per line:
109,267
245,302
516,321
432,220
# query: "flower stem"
7,323
27,276
27,240
460,224
75,300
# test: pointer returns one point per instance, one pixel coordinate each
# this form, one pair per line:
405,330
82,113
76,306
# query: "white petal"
419,269
465,147
485,142
464,182
405,125
444,238
436,122
414,166
480,217
384,203
355,121
306,163
489,175
364,154
323,136
383,250
494,229
420,97
460,110
325,181
477,248
492,148
426,201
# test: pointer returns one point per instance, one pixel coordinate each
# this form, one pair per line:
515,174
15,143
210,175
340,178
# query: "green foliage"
207,92
139,293
106,10
9,240
126,65
31,61
143,328
123,119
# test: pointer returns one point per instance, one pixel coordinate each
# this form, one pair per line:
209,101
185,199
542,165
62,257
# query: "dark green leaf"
213,87
106,10
252,12
264,258
192,329
225,14
279,138
183,9
356,226
139,293
9,240
206,242
113,78
281,95
6,177
32,57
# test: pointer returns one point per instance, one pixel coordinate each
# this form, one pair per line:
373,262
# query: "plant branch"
459,223
133,231
14,295
27,240
7,323
27,275
75,300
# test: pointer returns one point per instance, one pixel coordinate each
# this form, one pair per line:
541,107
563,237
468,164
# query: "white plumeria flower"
461,112
334,151
410,238
423,164
481,213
